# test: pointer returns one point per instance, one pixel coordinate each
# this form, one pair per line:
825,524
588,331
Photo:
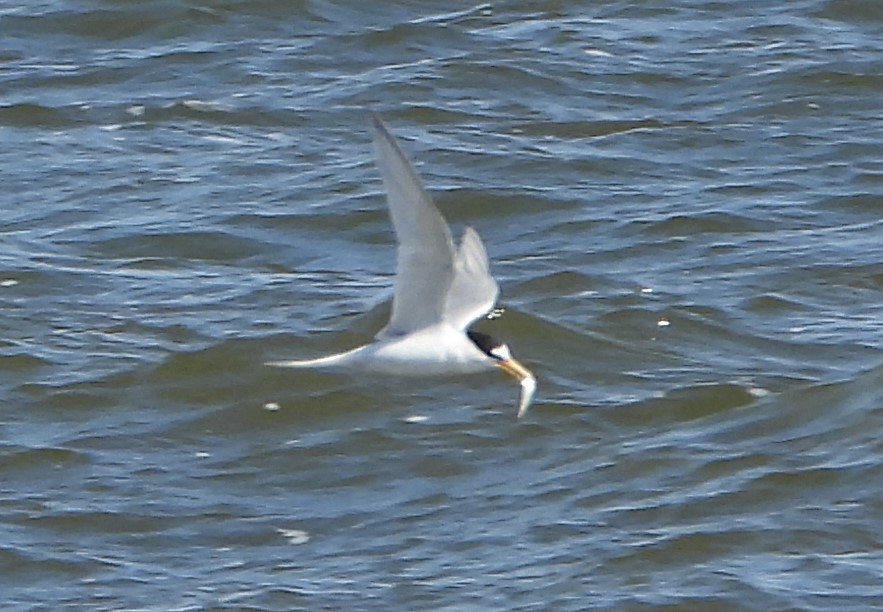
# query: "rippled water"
682,204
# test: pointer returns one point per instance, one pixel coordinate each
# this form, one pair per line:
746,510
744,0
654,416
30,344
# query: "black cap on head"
484,342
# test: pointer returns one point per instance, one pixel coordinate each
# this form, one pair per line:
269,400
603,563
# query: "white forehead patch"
501,352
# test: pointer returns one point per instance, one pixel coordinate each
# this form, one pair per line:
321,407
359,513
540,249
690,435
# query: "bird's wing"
425,259
473,291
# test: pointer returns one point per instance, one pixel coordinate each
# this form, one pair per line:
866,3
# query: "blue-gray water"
683,204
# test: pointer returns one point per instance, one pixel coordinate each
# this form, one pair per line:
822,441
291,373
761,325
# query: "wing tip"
377,123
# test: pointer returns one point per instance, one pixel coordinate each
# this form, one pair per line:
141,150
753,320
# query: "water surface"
681,202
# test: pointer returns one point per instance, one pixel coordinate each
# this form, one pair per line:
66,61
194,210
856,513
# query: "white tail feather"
341,359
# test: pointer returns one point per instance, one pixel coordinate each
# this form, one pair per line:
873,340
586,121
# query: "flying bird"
440,291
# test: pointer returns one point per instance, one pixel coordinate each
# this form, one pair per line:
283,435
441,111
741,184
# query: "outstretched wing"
473,291
425,258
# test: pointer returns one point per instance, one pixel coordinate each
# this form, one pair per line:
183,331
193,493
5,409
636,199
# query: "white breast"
435,350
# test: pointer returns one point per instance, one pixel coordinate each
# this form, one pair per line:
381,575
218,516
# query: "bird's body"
406,355
440,291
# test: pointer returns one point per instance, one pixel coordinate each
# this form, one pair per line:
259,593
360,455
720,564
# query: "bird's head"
502,357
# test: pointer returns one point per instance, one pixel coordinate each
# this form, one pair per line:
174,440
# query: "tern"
440,291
